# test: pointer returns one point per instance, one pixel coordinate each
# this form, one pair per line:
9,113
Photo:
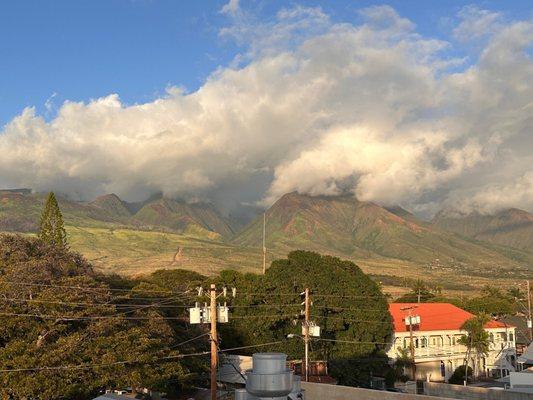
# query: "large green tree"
347,305
66,334
51,227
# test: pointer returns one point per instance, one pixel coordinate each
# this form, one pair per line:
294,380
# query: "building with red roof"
434,330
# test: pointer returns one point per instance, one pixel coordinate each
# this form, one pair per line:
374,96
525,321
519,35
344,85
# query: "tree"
458,377
419,291
51,227
351,311
62,315
476,340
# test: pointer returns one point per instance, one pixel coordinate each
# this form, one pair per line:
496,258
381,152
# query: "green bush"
458,376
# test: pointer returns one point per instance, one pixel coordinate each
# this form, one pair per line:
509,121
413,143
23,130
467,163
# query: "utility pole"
264,243
529,322
214,341
305,369
410,320
412,346
212,315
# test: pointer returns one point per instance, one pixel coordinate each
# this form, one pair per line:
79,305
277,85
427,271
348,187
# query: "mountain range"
346,226
511,227
338,225
20,211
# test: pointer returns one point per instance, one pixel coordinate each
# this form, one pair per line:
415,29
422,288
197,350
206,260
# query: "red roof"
434,317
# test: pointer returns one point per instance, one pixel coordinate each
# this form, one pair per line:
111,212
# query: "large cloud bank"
373,108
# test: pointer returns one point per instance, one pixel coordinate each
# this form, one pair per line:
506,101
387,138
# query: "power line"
353,320
84,304
323,295
262,316
188,341
90,317
88,366
350,341
252,346
91,288
137,361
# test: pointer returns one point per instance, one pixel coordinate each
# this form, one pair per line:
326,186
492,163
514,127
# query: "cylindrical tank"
270,377
242,394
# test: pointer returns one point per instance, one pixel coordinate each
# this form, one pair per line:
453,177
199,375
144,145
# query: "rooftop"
434,317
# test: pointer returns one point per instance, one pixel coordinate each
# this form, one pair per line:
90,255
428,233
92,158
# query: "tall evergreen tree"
51,228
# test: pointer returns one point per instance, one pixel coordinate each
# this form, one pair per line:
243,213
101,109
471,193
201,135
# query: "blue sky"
78,50
426,104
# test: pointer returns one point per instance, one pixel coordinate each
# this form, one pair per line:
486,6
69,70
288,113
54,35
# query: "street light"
293,335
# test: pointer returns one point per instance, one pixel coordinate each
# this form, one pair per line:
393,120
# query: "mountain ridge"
346,226
509,227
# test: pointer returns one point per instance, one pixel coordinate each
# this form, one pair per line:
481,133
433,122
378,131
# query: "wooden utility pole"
412,346
409,318
214,341
305,366
529,321
264,243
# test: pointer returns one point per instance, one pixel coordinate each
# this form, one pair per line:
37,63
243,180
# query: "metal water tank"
269,378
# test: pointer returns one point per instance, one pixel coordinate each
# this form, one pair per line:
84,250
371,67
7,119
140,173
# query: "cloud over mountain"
370,107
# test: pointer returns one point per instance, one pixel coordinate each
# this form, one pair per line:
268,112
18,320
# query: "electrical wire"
352,320
81,304
252,346
90,288
190,340
88,366
90,317
323,295
349,341
137,361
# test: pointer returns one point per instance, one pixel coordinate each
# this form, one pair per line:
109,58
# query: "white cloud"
476,23
318,107
231,7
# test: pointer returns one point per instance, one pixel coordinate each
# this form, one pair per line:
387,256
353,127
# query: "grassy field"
132,252
135,253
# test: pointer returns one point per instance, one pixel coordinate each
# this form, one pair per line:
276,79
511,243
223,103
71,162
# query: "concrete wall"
320,391
472,393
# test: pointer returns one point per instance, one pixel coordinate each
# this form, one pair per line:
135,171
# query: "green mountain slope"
183,217
343,225
20,212
112,204
510,227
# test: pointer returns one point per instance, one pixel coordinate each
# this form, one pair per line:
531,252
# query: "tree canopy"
66,333
347,305
51,227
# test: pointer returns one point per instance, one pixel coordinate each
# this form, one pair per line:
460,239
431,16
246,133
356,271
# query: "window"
511,337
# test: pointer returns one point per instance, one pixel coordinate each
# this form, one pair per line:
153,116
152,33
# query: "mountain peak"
112,204
511,227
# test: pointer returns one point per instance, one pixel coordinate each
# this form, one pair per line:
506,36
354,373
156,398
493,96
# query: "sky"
425,104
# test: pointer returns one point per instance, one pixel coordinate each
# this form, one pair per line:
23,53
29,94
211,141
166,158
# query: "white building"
436,329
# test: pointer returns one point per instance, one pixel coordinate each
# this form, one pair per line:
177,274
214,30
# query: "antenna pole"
529,323
264,243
